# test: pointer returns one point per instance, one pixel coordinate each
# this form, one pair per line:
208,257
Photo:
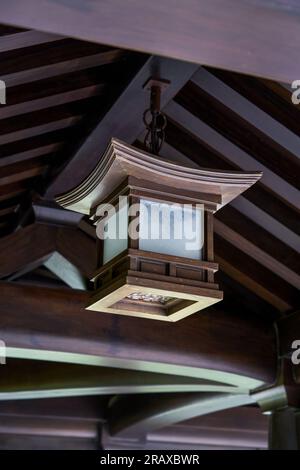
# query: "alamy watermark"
295,85
296,353
151,220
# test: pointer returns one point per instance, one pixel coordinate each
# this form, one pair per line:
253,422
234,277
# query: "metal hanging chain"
155,122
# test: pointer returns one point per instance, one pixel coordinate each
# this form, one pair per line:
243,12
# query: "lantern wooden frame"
182,285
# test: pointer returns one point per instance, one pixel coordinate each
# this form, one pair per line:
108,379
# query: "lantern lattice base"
155,286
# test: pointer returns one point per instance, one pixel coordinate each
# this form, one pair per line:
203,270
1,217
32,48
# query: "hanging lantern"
154,221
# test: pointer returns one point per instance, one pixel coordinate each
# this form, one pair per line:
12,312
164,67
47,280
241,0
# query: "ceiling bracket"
154,120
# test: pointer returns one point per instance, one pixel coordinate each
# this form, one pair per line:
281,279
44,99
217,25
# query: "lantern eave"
122,160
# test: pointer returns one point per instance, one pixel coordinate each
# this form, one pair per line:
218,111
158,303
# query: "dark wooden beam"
27,155
78,248
273,253
25,248
259,255
35,130
42,379
45,426
271,97
152,412
7,29
242,126
23,171
244,427
240,36
9,191
18,441
238,427
296,372
247,271
234,254
123,120
47,71
31,104
238,297
19,40
242,113
220,142
135,417
90,408
33,327
205,156
31,246
268,261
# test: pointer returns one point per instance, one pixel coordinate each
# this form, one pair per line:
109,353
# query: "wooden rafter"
278,292
31,246
204,155
19,40
123,120
25,248
233,153
65,66
247,271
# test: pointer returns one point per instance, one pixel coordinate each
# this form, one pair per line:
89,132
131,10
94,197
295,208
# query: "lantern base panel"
138,297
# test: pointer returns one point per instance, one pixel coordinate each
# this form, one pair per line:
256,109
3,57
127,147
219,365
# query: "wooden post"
284,429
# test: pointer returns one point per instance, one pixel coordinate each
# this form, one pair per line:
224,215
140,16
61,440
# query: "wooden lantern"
155,279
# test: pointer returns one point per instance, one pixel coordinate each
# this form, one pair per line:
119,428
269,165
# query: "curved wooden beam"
232,348
236,428
134,420
41,379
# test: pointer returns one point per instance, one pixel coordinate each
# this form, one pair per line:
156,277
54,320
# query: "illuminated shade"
165,270
117,225
171,229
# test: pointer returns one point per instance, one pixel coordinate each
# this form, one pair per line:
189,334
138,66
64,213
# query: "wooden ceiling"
57,89
230,121
65,98
256,37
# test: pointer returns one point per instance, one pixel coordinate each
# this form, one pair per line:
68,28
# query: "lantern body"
159,262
